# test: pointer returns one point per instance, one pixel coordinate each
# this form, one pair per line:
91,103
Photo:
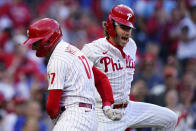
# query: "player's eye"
124,27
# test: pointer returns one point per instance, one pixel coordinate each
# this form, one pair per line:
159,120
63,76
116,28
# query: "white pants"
77,119
138,115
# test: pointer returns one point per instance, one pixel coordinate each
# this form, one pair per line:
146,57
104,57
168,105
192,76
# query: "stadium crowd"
165,73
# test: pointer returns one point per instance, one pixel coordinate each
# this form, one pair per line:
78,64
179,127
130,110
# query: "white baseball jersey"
69,70
120,71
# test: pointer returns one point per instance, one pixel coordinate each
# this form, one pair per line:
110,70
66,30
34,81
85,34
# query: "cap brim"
129,24
124,22
30,41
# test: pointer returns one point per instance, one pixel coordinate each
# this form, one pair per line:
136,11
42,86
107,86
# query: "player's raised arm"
104,88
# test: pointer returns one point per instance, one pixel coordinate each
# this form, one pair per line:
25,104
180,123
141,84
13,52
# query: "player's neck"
117,46
111,40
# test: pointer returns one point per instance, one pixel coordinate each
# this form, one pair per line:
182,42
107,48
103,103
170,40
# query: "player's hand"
112,114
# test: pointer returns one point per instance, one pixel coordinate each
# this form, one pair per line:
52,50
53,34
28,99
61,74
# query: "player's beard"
121,40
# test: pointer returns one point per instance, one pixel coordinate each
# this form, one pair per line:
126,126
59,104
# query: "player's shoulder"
64,51
131,47
131,44
97,43
95,46
100,41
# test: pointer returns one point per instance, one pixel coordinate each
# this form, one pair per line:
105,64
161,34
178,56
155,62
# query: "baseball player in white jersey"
70,74
115,55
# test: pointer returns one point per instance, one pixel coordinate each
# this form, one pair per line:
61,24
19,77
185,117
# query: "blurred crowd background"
166,58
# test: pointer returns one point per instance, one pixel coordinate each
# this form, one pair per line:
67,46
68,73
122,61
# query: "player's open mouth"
126,39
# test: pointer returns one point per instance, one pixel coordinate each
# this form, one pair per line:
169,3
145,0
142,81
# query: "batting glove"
112,114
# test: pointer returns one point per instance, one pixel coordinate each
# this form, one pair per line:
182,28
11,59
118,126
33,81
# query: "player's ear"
104,24
105,29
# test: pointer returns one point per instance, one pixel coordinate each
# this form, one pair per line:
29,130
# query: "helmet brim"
123,22
30,41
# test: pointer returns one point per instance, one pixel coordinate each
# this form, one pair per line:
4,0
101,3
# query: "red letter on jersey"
86,66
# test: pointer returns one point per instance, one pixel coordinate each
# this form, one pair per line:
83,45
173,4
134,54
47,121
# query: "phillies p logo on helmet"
129,16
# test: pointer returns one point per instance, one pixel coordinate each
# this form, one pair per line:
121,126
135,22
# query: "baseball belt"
80,104
117,106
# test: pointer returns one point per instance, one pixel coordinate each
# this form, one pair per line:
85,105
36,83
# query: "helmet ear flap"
110,27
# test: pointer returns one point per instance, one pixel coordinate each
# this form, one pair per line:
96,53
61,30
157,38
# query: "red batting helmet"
47,31
122,14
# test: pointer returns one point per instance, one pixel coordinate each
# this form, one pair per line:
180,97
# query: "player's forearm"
103,86
53,103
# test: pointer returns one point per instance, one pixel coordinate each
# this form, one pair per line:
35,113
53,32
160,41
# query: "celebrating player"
71,88
115,55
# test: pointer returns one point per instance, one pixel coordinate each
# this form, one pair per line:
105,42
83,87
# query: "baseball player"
70,74
115,55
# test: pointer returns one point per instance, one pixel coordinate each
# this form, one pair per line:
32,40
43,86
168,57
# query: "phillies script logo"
130,63
107,61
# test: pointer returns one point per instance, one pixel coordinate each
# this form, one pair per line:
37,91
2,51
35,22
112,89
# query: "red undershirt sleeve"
53,103
103,87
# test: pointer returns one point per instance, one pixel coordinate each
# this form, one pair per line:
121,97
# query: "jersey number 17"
86,66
